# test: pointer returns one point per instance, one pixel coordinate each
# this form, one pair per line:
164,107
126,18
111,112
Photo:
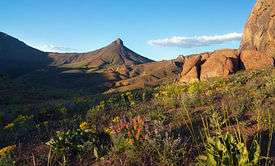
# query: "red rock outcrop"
259,31
258,42
190,70
252,59
220,63
257,49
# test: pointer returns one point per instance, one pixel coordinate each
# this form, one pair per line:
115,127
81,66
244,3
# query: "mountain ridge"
113,54
17,58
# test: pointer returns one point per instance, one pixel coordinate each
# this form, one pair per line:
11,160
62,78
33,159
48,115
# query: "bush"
77,143
196,88
228,150
170,94
166,150
5,156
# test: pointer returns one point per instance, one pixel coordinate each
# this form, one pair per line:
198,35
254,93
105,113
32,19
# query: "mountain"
17,58
94,71
116,67
113,55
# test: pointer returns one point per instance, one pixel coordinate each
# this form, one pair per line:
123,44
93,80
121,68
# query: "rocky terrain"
113,106
256,50
259,32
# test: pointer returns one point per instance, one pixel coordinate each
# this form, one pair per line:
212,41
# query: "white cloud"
196,41
52,48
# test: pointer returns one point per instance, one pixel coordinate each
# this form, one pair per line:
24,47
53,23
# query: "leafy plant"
227,150
131,130
5,156
78,143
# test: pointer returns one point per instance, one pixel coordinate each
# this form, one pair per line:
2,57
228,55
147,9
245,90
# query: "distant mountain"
17,58
113,55
94,71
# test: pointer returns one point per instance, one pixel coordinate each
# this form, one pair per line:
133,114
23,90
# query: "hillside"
17,58
170,116
113,106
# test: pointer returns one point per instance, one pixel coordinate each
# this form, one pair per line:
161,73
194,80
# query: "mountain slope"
115,54
17,58
94,71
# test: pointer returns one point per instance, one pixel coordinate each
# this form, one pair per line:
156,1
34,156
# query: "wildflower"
9,126
7,150
130,141
84,126
116,119
138,132
110,131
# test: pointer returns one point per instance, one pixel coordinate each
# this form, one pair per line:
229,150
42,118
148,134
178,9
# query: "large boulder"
259,32
220,63
190,70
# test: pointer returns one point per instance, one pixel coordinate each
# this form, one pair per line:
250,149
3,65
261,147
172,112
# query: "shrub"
170,94
227,150
5,156
132,130
77,143
166,150
196,88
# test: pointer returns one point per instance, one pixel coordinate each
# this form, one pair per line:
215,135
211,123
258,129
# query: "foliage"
132,131
169,95
79,142
227,150
5,155
166,149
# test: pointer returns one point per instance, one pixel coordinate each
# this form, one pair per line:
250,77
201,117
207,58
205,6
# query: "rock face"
221,63
190,70
259,32
255,60
257,49
258,42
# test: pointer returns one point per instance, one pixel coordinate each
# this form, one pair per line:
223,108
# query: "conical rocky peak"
119,41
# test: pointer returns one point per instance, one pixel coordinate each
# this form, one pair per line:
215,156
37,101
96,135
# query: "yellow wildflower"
109,131
116,119
84,125
7,150
9,126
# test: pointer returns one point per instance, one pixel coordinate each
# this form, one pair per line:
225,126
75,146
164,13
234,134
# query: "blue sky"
146,26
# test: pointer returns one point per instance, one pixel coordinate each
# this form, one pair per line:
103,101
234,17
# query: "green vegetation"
215,122
5,155
72,145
